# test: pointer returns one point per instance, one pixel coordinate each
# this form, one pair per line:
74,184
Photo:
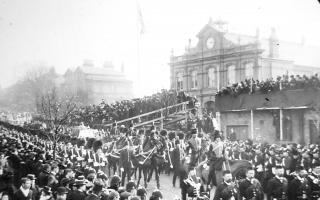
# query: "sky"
64,33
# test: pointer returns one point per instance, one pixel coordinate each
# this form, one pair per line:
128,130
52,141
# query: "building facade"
221,58
92,84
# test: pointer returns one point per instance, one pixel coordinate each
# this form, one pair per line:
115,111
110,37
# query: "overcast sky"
62,33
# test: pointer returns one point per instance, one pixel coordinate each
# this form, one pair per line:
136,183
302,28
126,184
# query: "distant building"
221,58
18,119
92,84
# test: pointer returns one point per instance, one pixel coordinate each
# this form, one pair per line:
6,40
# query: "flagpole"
251,112
138,22
138,55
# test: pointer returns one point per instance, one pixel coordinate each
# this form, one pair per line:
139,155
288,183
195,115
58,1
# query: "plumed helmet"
217,134
181,136
97,145
115,180
81,142
90,143
163,132
172,135
74,140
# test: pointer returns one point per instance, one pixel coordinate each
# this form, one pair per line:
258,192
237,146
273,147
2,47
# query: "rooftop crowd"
108,113
286,82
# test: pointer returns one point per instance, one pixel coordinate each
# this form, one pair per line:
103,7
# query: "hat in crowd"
97,145
113,194
125,195
141,191
79,182
65,181
130,186
295,152
102,176
47,190
181,135
157,194
193,131
163,132
115,180
31,176
62,190
98,185
171,135
46,168
121,189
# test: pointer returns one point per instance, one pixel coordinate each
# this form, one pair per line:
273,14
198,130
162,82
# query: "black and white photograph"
159,100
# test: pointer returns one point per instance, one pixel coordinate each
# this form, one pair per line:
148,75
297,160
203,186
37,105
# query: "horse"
142,163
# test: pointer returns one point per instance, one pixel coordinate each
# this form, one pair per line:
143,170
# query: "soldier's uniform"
299,188
314,186
277,188
249,191
226,192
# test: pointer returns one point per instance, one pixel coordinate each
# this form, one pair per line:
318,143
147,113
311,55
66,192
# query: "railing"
157,115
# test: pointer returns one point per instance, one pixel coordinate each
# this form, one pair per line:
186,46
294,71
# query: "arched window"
231,74
179,80
248,67
212,77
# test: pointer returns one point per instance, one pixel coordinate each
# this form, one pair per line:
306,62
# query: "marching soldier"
277,186
250,188
194,147
299,187
227,189
314,180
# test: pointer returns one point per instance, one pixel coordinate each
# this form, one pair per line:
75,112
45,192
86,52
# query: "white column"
251,116
281,124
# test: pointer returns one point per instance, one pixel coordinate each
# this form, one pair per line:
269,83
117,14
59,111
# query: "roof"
99,71
299,53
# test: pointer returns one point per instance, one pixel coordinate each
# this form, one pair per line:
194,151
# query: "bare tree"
56,112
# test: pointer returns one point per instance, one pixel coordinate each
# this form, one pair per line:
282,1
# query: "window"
194,82
212,77
231,74
248,67
179,81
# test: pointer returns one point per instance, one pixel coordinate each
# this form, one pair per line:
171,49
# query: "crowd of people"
107,113
35,168
286,82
